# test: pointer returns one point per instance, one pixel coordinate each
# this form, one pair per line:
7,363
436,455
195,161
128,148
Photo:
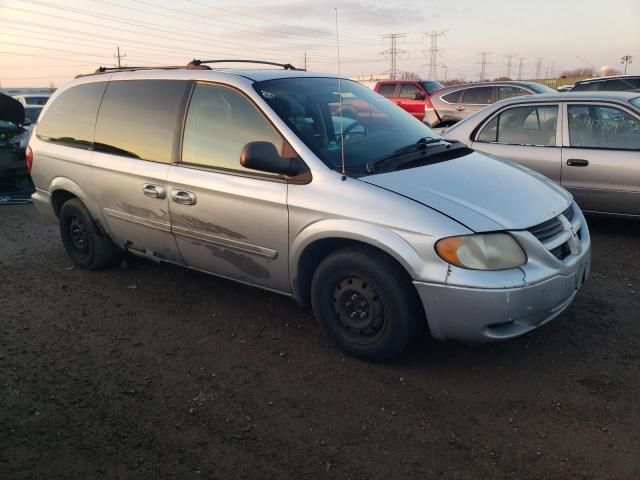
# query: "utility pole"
434,52
626,60
119,57
483,65
520,67
538,68
393,53
444,67
509,64
305,60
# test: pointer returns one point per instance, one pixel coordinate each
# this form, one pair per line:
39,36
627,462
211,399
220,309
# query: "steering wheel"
347,130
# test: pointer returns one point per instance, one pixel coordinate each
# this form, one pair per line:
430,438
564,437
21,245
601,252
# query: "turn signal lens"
485,251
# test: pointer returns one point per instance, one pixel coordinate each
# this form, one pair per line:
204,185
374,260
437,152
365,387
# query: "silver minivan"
378,224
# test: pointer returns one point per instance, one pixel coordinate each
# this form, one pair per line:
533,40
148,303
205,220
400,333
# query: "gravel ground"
153,371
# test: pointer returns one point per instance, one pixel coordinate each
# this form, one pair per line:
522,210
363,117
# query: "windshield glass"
635,101
539,88
431,86
369,126
36,100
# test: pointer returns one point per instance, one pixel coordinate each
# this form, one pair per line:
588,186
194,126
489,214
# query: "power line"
433,52
393,53
483,65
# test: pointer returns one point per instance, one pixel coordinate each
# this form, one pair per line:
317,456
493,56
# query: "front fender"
376,236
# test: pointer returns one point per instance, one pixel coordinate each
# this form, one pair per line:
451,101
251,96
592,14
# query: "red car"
411,95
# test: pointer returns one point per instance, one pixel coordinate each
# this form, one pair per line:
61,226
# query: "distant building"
27,91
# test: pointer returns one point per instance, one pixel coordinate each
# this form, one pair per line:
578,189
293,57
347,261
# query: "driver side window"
220,122
528,125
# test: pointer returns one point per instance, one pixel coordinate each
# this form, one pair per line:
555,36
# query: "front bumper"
480,306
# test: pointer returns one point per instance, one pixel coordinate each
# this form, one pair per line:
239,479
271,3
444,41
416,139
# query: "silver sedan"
587,142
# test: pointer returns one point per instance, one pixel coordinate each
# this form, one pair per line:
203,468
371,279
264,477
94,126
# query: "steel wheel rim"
78,235
358,310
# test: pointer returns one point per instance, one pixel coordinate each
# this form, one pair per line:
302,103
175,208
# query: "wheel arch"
319,240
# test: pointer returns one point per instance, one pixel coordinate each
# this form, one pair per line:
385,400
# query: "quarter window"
71,117
598,126
387,90
530,125
141,119
220,122
478,96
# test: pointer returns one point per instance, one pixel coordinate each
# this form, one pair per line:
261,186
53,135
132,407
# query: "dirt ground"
153,371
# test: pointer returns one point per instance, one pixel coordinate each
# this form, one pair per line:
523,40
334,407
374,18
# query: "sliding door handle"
183,197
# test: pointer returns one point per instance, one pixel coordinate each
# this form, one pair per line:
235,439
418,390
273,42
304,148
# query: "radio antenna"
344,175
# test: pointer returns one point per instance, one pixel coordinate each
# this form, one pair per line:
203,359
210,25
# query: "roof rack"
192,65
286,66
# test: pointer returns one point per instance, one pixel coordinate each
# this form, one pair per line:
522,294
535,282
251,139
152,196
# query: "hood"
481,192
11,110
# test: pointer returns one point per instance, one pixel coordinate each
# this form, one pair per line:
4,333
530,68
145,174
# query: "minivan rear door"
137,134
228,220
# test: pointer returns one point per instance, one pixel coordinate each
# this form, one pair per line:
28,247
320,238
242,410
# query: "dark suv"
410,95
621,83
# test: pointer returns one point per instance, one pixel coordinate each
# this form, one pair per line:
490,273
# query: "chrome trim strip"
225,242
162,226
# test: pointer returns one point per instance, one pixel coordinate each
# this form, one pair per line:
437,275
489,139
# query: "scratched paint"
146,213
193,223
244,263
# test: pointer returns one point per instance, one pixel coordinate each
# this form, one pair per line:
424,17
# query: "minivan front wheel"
365,303
83,242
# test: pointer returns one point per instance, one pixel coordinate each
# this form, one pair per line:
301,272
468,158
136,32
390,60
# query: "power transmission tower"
446,69
509,64
520,67
434,52
393,53
483,65
626,60
119,57
538,68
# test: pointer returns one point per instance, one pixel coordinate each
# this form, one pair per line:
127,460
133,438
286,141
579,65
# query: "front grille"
551,231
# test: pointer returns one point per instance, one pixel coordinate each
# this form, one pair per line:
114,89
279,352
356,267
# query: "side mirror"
264,157
419,96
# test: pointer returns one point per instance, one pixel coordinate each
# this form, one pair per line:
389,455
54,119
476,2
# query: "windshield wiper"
420,145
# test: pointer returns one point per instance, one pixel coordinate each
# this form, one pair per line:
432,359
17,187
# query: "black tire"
81,238
365,303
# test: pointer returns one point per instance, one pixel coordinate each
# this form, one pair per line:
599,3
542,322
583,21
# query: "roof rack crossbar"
286,66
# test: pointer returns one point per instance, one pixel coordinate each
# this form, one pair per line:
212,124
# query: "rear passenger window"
599,126
71,117
510,92
141,119
220,122
478,96
408,90
388,90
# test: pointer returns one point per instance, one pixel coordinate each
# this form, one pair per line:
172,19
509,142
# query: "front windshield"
367,125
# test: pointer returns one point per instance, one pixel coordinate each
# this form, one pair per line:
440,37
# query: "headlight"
485,251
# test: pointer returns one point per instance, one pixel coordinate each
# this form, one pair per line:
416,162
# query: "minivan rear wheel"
83,242
365,303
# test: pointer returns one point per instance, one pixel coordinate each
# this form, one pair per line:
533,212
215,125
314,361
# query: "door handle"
154,191
577,162
183,197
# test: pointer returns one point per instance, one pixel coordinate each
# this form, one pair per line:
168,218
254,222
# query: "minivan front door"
601,160
228,220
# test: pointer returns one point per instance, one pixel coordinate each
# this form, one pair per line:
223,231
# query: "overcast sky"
43,41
